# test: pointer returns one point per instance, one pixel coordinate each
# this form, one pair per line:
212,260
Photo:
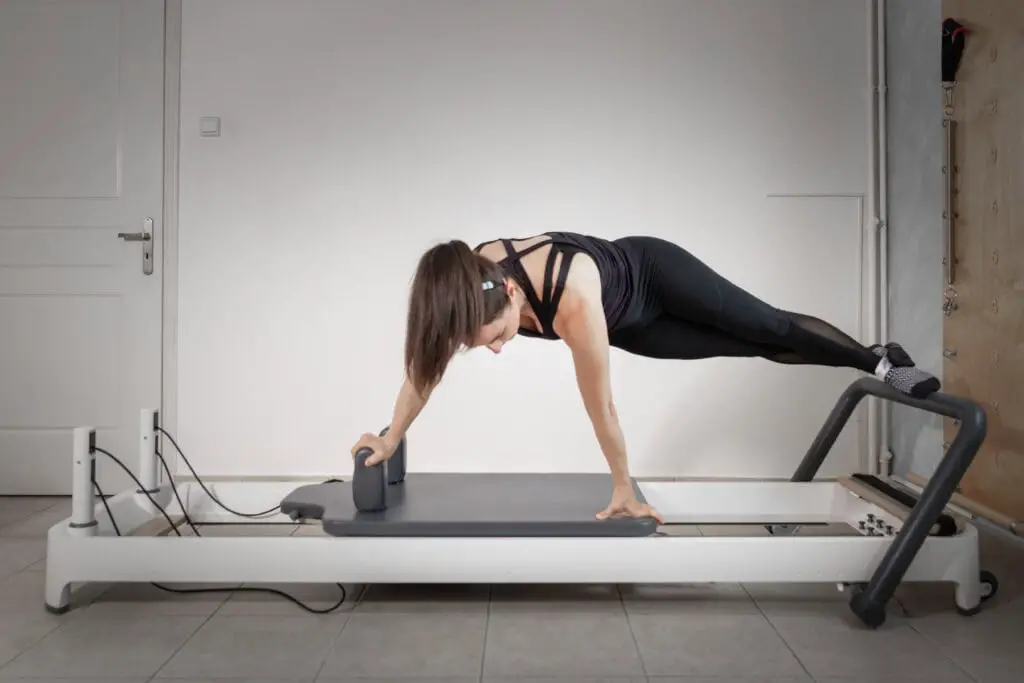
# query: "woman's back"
541,265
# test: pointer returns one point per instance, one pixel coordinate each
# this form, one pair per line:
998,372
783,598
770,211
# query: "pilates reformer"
385,525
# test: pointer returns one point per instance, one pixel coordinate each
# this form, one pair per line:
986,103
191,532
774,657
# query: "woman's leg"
673,338
688,290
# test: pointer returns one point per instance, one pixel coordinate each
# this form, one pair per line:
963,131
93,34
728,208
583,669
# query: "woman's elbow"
602,410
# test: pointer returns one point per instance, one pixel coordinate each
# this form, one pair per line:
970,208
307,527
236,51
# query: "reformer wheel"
989,587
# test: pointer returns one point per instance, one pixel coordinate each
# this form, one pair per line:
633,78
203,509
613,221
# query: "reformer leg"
81,524
58,593
869,604
968,584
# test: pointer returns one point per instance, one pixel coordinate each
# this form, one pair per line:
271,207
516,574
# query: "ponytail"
454,292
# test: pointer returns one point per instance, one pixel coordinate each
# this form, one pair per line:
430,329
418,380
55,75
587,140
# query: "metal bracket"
949,301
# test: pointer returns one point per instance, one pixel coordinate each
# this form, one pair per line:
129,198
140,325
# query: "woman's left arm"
583,327
585,332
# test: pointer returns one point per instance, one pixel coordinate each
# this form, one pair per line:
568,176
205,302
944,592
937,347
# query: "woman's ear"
510,287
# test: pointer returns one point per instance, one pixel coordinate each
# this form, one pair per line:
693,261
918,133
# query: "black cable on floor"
174,528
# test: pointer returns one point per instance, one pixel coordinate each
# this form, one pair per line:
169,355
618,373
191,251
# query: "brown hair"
448,303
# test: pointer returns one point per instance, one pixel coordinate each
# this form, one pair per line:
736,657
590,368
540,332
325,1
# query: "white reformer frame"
895,541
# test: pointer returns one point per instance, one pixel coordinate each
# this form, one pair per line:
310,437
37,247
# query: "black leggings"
685,310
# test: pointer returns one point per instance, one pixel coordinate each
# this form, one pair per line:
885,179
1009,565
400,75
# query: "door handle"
146,237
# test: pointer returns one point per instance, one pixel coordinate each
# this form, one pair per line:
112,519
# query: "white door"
81,160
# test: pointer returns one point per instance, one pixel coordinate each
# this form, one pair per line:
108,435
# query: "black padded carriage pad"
473,505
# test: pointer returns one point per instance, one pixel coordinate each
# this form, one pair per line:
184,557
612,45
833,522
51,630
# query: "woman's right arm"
407,407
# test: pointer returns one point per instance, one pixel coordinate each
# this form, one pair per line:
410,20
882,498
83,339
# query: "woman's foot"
897,369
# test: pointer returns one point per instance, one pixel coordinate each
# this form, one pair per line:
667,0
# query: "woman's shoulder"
497,245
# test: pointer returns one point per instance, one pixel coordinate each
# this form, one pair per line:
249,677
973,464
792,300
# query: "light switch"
209,126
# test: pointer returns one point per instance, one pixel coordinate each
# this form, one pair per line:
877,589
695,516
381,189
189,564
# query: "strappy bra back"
610,261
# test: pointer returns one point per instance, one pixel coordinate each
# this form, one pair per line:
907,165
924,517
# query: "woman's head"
458,299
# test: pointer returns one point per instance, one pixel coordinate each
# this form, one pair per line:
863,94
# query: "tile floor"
684,634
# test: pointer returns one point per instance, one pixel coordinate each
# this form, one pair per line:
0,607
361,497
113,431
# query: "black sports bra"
612,263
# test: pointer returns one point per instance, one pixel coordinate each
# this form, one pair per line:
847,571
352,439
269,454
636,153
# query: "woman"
640,294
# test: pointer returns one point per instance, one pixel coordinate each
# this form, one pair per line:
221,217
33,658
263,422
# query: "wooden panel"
986,329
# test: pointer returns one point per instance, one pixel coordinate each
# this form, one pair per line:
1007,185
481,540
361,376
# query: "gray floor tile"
253,646
1004,676
243,679
799,598
16,508
37,566
987,646
221,680
568,679
80,680
712,644
140,599
38,524
104,648
23,594
317,596
388,679
671,598
874,678
555,597
731,679
417,598
838,645
550,643
426,645
20,632
17,554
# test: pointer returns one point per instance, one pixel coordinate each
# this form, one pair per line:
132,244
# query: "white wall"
356,135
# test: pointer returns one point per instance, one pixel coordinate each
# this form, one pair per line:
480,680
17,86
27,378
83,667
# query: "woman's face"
495,334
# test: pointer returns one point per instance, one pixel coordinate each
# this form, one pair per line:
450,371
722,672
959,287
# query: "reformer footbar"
386,526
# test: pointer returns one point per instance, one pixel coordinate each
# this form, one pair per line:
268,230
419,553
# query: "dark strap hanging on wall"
954,37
